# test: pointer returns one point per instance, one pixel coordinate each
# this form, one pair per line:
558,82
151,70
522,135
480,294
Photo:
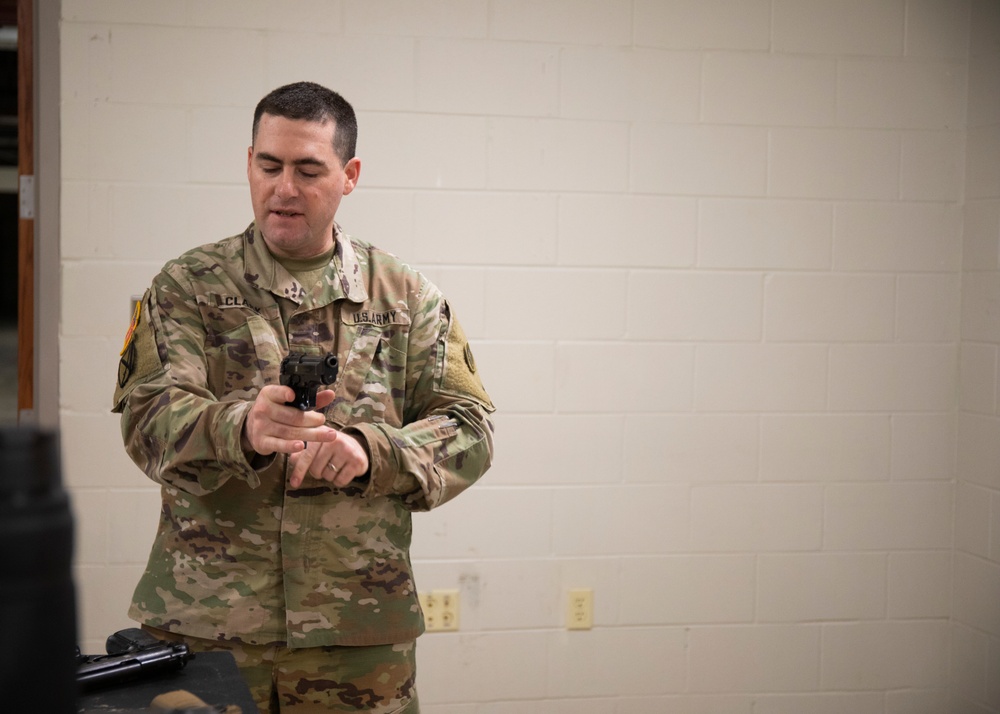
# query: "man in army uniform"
284,534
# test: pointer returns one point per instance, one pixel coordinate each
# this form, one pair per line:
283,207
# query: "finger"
271,417
317,462
276,445
350,463
337,475
292,440
323,466
275,400
324,398
277,394
301,463
345,476
332,473
295,417
338,461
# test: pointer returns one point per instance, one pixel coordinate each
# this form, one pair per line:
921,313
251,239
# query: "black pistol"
132,653
306,374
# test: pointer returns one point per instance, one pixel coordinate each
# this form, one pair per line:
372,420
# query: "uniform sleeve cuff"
229,436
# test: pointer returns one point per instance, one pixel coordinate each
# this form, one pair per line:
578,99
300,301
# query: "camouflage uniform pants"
378,680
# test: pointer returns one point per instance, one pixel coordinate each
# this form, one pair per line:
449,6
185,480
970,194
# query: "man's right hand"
272,426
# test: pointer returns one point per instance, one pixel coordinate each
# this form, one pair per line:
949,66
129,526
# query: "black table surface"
213,677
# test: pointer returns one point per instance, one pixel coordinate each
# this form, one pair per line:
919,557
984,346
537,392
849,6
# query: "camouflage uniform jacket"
239,554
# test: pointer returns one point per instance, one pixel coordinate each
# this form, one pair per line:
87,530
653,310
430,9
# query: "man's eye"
270,169
307,174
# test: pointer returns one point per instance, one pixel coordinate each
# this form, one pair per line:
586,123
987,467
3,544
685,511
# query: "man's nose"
286,187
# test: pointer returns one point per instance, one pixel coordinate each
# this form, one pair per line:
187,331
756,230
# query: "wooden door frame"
41,292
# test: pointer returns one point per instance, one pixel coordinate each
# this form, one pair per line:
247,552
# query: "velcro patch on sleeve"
461,375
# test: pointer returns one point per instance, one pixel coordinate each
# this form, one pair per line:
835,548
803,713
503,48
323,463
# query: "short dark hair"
313,102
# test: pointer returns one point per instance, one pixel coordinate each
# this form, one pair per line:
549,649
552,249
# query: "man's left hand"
339,461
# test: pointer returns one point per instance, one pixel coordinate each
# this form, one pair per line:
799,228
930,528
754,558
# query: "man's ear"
249,158
352,171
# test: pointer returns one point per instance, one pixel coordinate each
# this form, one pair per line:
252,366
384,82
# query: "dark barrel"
37,600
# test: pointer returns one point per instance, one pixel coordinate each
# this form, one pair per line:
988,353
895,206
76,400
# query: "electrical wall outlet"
440,610
580,609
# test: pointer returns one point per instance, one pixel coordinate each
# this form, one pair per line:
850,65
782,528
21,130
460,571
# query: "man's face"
296,183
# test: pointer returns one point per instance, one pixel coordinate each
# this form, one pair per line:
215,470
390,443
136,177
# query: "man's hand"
272,426
339,461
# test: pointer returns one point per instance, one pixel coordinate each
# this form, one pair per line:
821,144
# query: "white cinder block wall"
711,256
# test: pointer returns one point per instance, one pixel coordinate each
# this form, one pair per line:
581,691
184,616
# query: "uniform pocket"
431,430
267,349
361,394
243,352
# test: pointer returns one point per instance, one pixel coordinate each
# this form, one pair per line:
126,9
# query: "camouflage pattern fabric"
378,680
238,554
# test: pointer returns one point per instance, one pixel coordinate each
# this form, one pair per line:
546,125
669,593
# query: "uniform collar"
352,281
264,272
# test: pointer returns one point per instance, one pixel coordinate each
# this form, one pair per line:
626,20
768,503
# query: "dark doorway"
9,211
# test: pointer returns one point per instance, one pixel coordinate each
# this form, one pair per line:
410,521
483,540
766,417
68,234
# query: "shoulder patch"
130,333
461,376
139,357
